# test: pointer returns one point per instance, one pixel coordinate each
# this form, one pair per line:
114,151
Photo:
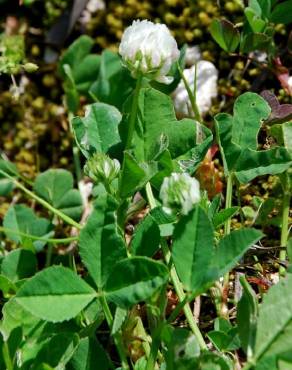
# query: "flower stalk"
134,111
192,95
285,224
175,279
227,229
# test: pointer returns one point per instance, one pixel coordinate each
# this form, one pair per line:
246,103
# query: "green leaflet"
134,280
22,219
273,338
197,260
158,127
58,350
134,176
283,134
6,286
193,248
119,319
19,264
83,65
247,313
254,19
220,217
56,187
97,131
237,138
101,245
76,52
232,247
88,354
55,302
253,163
282,13
146,238
6,185
109,79
249,112
15,315
225,34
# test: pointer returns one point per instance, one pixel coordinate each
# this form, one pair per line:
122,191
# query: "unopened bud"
102,168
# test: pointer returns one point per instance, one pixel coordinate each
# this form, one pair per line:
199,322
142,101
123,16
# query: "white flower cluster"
149,49
179,193
206,88
92,7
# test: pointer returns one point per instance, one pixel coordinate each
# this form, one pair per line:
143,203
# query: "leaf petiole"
47,205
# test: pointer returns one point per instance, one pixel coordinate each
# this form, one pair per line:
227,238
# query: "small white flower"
207,76
92,7
179,192
149,49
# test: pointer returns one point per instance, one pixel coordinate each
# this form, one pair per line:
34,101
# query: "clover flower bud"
179,193
102,168
149,49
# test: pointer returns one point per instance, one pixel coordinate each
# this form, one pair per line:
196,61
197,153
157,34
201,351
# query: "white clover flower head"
206,89
179,193
149,49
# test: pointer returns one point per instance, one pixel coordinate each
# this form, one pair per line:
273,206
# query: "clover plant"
107,290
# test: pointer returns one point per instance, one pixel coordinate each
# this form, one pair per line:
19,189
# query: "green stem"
179,307
228,202
285,228
133,114
75,150
34,237
192,97
49,254
117,336
227,229
6,357
77,165
175,279
47,205
181,296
